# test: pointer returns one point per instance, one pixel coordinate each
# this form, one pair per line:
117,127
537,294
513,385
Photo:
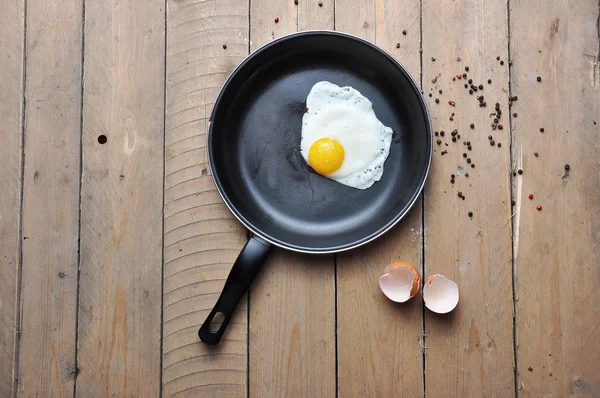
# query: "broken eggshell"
400,282
440,294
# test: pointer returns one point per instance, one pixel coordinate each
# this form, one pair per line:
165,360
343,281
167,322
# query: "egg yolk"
326,155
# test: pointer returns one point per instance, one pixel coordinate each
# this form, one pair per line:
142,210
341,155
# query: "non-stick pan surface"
254,152
254,143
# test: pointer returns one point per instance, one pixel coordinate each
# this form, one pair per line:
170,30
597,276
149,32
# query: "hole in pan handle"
243,272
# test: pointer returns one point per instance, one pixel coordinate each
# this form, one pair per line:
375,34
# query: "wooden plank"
292,303
557,255
12,30
202,239
379,343
47,364
470,351
119,325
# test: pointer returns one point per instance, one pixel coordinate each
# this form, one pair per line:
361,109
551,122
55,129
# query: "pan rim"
341,248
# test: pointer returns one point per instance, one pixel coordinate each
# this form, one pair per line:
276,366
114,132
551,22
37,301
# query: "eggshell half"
440,294
400,282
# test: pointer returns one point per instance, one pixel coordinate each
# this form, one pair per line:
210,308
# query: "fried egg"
342,139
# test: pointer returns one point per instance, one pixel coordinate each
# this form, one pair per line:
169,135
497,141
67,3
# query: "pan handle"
244,270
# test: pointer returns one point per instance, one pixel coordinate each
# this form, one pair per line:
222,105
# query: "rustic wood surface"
113,253
12,31
51,199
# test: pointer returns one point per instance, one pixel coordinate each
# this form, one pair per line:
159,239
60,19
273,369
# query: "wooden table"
115,244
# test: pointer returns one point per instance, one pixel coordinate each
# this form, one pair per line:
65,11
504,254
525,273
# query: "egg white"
345,115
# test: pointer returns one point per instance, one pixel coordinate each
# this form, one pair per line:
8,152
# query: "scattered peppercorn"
459,194
444,152
490,137
536,154
539,208
542,130
464,75
472,165
442,133
397,45
492,142
500,126
466,85
499,145
404,32
432,59
481,86
501,62
470,81
515,114
224,46
512,202
520,171
436,133
539,78
277,20
469,143
495,120
296,2
468,160
451,102
458,137
464,155
440,91
498,58
470,214
469,147
437,100
430,95
453,139
452,175
514,173
489,81
472,125
567,167
471,92
467,175
453,78
467,68
530,196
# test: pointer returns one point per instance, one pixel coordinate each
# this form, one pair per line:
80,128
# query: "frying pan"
254,154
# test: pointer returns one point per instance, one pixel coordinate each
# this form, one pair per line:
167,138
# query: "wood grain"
12,30
119,322
379,342
202,239
469,351
292,302
557,255
51,199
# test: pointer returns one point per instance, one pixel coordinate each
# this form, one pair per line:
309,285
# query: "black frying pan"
255,160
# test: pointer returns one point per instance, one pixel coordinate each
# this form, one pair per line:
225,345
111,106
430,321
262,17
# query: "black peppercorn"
471,92
489,81
472,125
437,100
501,62
481,86
468,160
567,167
453,139
542,130
472,165
442,133
470,214
520,171
464,155
470,81
539,78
